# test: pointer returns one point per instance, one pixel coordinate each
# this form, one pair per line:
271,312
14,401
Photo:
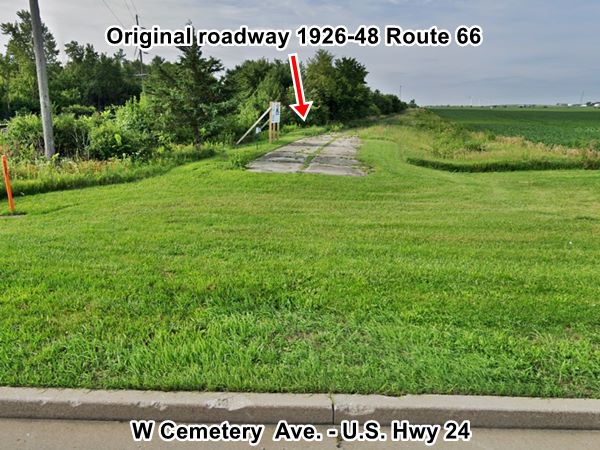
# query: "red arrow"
300,108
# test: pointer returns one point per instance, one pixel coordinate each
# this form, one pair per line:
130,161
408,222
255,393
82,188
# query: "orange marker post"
11,203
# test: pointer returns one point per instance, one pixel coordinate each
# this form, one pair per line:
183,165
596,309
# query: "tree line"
110,105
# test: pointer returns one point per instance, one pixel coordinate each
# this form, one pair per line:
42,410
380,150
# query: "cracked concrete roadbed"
325,154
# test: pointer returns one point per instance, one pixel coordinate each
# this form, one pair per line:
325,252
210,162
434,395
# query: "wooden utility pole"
137,22
42,78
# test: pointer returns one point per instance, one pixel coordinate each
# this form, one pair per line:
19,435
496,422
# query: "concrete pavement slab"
23,434
326,154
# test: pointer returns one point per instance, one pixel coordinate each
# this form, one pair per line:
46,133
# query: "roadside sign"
276,113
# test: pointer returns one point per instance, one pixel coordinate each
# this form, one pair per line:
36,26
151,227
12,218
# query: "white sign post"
276,112
274,121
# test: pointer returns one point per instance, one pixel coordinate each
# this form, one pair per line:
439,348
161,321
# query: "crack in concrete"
325,154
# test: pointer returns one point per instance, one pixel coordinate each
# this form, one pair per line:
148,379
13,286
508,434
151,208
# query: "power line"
142,74
113,13
134,8
129,9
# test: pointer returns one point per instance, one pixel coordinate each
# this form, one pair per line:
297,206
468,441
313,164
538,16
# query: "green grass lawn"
408,280
569,127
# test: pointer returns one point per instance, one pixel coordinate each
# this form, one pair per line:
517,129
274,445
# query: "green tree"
90,78
22,83
187,95
7,68
321,86
352,99
253,84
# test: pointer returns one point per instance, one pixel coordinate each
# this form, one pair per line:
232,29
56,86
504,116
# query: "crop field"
569,127
445,144
407,280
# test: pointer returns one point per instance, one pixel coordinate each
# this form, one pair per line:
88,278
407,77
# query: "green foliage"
87,78
19,35
185,101
442,144
127,130
79,110
23,136
575,128
71,135
137,117
505,165
339,90
36,174
17,72
187,96
94,79
252,85
111,140
353,98
320,86
387,103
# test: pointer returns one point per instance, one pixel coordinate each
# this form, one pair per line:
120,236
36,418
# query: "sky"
534,51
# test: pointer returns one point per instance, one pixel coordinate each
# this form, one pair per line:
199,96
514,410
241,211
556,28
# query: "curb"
317,409
482,411
192,407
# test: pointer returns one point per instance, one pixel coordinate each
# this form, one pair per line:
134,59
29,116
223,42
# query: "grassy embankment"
408,280
477,141
34,177
567,127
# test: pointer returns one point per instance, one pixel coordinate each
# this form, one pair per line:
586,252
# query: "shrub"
71,135
188,153
133,116
137,119
502,166
109,140
79,110
474,145
289,128
335,127
23,136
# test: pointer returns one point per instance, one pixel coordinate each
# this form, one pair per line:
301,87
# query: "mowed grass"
568,127
408,280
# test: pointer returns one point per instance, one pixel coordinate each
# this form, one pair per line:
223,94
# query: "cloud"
533,51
